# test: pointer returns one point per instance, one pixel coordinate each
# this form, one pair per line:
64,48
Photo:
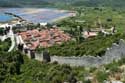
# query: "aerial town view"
62,41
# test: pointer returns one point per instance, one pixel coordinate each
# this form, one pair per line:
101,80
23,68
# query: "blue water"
5,17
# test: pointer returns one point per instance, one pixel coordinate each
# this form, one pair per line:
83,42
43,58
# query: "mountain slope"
24,3
52,3
110,3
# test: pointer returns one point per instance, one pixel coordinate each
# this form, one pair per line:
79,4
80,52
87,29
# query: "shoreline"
14,18
14,15
63,17
33,11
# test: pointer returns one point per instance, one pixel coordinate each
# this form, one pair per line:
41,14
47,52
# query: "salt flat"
38,15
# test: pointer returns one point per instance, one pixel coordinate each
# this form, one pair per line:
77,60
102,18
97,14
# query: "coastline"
39,14
63,17
14,15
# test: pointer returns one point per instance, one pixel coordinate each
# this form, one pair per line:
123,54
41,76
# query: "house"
88,34
44,38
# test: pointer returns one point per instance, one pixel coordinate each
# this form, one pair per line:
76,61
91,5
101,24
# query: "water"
35,15
5,17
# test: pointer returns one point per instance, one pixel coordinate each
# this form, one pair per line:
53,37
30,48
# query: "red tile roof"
44,38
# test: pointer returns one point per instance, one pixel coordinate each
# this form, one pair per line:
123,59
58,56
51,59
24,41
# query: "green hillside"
24,3
57,3
16,68
91,3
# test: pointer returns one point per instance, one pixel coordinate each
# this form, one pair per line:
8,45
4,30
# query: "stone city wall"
116,52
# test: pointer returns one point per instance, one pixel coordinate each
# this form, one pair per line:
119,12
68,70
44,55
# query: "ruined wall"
116,52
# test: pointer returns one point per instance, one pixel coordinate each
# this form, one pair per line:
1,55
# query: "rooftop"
44,38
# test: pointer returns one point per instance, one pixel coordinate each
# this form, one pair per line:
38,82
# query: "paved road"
11,35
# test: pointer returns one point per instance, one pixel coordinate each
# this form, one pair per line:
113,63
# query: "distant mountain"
24,3
45,3
91,3
5,3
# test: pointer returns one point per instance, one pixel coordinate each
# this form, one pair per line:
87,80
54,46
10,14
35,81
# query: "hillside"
91,3
24,3
58,3
17,68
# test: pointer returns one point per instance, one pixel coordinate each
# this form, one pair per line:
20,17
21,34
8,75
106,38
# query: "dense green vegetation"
9,65
17,68
4,46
